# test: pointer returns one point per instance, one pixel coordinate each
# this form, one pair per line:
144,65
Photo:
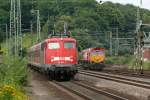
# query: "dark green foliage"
87,16
4,17
84,39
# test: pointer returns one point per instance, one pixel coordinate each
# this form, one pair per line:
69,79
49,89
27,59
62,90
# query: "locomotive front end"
97,55
62,56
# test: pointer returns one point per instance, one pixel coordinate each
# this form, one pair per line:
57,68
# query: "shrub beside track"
13,75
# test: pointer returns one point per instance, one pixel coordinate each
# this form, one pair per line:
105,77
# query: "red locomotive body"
55,56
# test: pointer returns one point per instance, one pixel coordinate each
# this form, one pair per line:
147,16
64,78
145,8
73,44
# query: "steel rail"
117,79
84,96
128,73
91,88
114,96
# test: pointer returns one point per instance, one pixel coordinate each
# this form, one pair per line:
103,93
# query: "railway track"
122,71
88,92
146,74
117,78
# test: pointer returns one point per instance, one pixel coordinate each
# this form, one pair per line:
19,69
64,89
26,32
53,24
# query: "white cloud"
146,3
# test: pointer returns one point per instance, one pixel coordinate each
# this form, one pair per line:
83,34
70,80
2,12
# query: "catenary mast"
15,33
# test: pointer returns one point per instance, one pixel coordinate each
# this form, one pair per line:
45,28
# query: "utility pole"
65,27
20,36
13,27
31,30
110,43
38,24
7,38
117,43
49,31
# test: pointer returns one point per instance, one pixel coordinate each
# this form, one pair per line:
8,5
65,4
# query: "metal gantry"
15,34
119,42
38,24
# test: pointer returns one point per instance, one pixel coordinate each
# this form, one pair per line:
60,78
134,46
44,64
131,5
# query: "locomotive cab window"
69,45
97,53
53,45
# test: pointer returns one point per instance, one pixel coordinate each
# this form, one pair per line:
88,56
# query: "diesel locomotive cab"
93,58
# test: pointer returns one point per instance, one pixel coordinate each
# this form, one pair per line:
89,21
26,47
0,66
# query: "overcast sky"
146,3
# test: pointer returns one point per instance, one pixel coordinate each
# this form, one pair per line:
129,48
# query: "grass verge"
126,60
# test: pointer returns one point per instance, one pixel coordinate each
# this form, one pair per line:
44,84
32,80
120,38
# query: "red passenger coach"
56,57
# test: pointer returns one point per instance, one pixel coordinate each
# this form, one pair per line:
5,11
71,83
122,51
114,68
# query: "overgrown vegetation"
13,72
118,60
13,75
125,60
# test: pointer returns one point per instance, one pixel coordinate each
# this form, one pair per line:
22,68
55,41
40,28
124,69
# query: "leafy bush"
119,60
13,75
8,92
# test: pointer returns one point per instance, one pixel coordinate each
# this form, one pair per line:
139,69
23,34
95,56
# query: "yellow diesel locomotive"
93,58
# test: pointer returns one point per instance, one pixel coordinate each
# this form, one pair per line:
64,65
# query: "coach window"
53,45
69,45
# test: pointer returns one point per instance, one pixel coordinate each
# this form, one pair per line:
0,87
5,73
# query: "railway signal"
139,51
111,44
140,42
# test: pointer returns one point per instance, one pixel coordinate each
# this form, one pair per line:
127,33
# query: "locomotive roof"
59,39
51,39
90,49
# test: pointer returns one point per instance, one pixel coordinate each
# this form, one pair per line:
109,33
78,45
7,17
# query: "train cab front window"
95,53
69,45
53,45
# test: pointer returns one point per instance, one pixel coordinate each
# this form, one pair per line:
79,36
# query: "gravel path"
139,93
40,89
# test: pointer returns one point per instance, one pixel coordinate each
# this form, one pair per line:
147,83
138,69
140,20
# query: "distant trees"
85,16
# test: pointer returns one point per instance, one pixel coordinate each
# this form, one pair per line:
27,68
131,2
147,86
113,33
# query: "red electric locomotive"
57,57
